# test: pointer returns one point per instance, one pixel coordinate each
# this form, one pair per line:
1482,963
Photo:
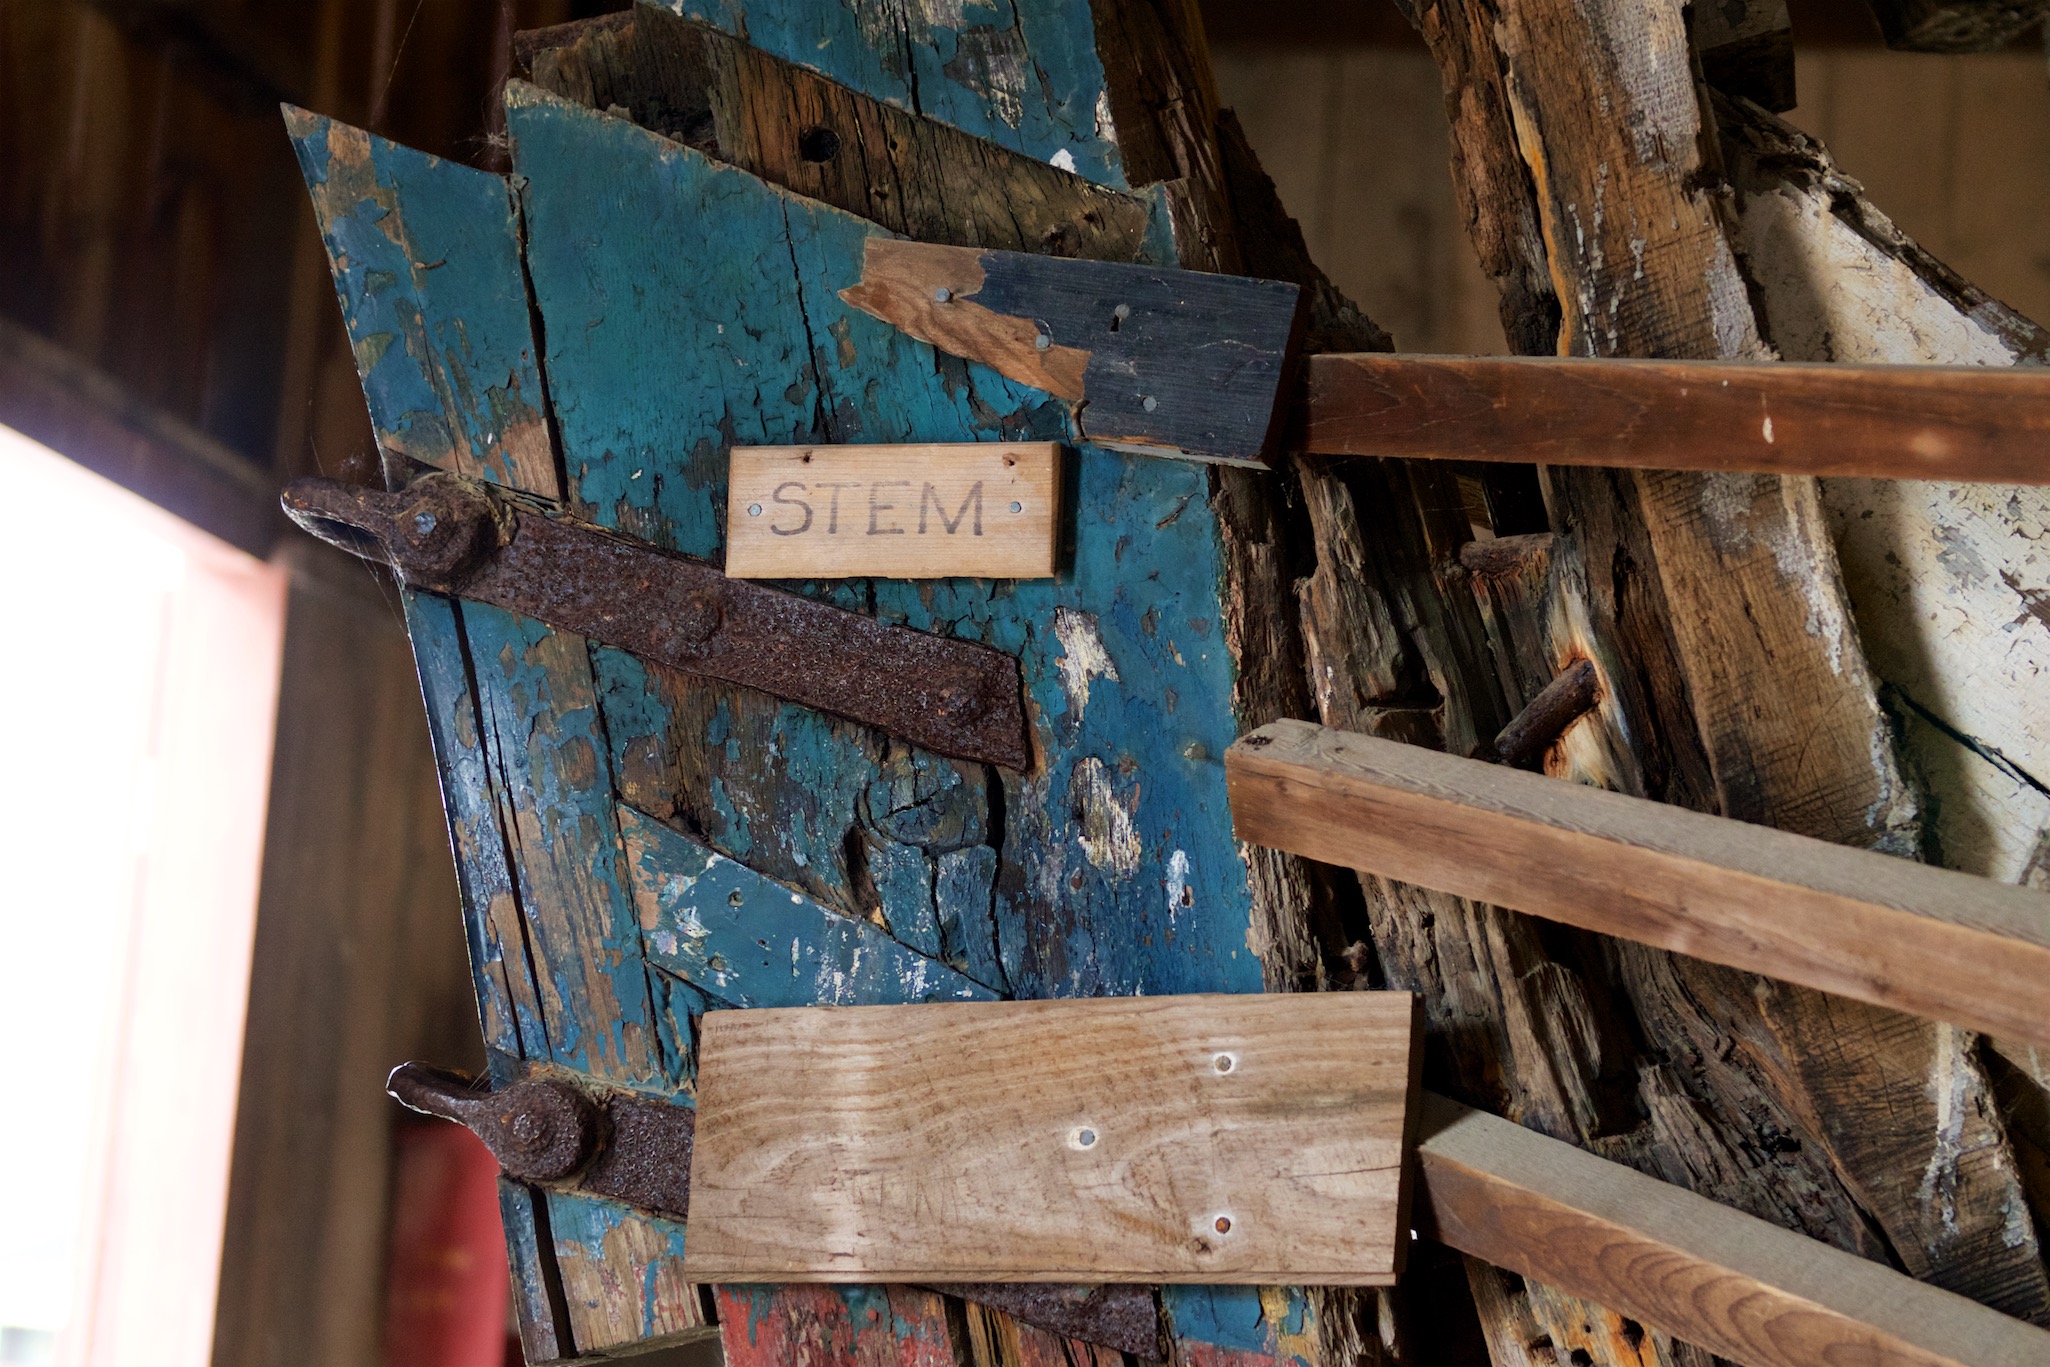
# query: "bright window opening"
138,692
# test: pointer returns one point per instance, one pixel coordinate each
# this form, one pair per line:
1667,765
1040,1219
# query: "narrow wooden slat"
1884,422
1865,925
1212,1139
1726,1281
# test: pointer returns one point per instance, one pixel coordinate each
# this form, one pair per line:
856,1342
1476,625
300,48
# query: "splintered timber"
983,509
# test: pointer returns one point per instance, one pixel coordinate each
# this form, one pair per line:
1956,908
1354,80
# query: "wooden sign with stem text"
987,510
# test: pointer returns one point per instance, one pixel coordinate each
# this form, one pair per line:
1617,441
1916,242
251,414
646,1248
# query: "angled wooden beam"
1720,1279
1968,423
52,396
1870,926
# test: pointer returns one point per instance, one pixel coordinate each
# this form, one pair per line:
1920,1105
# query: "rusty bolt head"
686,627
545,1130
443,529
958,702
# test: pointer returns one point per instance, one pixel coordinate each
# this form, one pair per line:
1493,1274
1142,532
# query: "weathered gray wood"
1168,363
1872,926
1713,605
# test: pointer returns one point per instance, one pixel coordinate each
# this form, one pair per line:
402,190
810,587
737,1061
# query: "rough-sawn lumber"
1750,1291
1213,1139
1872,926
1879,422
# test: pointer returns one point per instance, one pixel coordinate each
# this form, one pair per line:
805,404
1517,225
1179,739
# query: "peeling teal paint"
1146,541
747,941
1024,76
442,385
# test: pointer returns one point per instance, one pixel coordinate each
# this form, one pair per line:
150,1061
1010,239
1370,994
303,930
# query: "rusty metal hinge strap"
456,536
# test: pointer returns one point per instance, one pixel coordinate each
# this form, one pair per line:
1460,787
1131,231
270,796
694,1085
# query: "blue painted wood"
738,937
702,307
1022,73
526,770
1118,872
456,388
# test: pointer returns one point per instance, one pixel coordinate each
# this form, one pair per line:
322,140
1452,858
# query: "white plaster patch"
1063,159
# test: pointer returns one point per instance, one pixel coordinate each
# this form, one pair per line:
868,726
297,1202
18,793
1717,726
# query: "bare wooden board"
989,510
1865,925
1208,1139
1163,362
1729,1282
1886,422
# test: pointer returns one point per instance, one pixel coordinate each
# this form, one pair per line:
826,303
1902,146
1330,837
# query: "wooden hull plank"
746,941
1855,922
526,772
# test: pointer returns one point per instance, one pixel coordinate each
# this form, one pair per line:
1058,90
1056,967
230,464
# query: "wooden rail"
1718,1278
1881,929
1887,422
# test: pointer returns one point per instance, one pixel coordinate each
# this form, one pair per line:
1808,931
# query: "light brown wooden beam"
1726,1281
1967,423
1881,929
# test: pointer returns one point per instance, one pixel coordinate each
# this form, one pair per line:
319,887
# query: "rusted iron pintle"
637,1149
542,1130
448,534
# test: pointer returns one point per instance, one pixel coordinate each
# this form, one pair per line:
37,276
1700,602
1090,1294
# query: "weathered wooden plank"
737,936
873,1326
1174,363
453,387
1210,1139
917,176
932,511
554,936
1872,926
1885,422
1737,684
1754,1292
1026,77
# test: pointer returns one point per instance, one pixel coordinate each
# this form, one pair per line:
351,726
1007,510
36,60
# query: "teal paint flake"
748,941
1233,1317
426,262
